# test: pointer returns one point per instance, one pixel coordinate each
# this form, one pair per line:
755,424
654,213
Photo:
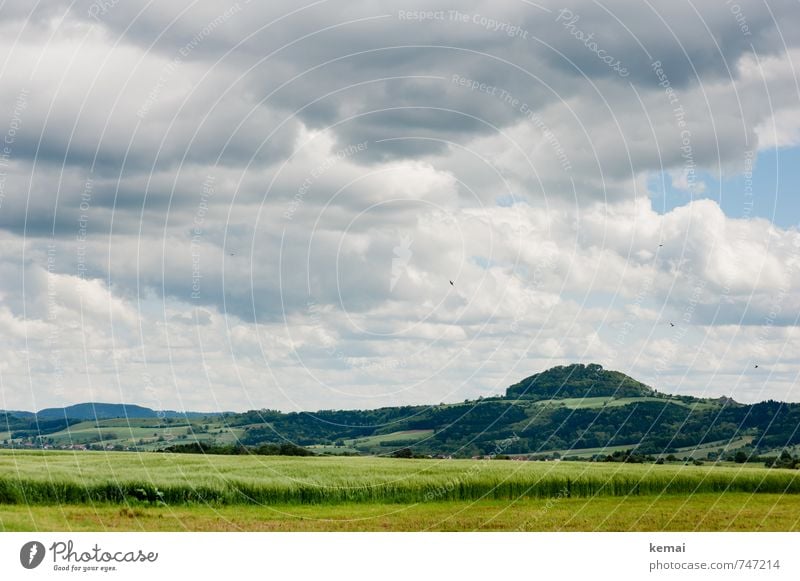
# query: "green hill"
582,381
96,411
93,411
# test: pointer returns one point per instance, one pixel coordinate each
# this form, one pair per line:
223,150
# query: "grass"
702,512
83,491
49,477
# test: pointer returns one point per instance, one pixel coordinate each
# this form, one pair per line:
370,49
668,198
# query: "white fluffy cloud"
223,207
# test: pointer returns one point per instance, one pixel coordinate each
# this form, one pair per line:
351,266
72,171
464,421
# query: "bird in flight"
660,245
451,283
756,367
672,324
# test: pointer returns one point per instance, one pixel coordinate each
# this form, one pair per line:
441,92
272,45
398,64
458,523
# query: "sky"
229,206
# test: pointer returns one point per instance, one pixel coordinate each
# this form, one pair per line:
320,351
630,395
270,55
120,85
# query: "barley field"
32,478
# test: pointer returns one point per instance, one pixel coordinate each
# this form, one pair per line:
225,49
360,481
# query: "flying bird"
756,367
672,324
451,283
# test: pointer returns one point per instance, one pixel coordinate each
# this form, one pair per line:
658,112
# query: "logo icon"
31,554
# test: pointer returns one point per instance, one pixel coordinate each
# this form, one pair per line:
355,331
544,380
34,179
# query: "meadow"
734,511
100,488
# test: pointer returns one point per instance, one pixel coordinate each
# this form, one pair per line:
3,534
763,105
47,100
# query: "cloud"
210,198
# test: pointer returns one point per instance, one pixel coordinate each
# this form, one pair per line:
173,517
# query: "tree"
740,457
403,453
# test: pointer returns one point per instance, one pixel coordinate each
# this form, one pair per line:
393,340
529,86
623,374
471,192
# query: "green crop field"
155,486
699,452
609,402
379,444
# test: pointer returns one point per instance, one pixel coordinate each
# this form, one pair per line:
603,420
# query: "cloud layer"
228,206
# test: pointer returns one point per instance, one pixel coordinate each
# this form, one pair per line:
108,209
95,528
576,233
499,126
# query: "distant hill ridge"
107,411
560,382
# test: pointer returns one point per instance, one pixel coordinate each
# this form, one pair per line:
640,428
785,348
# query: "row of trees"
284,449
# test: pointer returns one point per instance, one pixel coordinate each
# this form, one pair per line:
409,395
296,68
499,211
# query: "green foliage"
32,427
284,449
629,456
578,381
785,460
403,453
